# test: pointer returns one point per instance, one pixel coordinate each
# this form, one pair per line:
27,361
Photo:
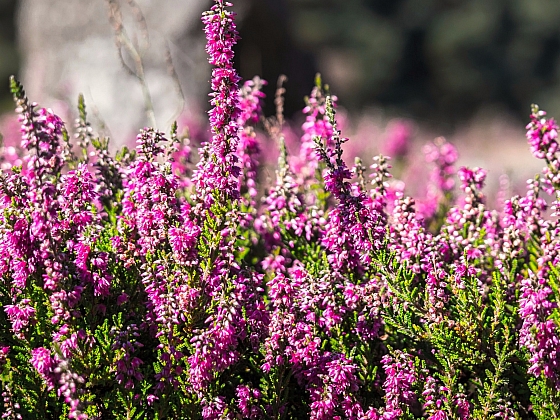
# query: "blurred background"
9,60
467,69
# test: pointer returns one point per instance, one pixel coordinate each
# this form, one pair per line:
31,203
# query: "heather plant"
155,284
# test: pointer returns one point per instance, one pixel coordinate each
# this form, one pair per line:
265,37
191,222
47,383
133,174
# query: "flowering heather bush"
142,285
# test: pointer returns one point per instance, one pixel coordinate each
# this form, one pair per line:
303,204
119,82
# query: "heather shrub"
160,284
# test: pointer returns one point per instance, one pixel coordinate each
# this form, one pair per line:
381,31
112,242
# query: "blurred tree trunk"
72,47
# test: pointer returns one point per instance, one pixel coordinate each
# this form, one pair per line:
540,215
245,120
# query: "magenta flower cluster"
144,285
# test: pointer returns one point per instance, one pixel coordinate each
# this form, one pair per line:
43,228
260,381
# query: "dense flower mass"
144,286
